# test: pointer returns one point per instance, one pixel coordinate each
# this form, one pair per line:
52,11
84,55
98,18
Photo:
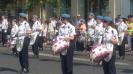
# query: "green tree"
31,3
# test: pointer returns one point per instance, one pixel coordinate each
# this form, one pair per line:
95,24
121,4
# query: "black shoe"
36,55
15,53
24,70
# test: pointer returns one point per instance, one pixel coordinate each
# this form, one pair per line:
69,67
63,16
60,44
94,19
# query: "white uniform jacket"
108,34
90,24
36,29
5,25
23,28
99,30
14,32
67,30
122,27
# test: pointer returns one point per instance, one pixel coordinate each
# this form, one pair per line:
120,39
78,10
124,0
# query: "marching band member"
91,24
41,38
36,29
23,41
13,35
4,30
98,30
122,28
8,33
110,38
67,30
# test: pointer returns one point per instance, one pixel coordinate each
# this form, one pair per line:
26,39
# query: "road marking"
76,59
122,63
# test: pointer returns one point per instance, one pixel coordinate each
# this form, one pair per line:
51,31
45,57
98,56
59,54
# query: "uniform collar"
14,25
36,22
100,24
67,24
92,19
107,28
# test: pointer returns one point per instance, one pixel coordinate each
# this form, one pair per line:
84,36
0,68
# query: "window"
98,6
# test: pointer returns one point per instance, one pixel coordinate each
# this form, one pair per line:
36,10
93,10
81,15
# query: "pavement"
50,64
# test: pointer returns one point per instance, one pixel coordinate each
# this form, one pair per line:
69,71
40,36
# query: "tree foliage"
31,3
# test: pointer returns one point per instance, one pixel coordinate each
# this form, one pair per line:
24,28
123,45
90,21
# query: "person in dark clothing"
24,32
67,30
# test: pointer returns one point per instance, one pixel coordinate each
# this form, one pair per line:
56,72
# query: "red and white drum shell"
98,53
59,45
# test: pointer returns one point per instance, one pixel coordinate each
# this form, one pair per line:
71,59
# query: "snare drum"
59,45
98,53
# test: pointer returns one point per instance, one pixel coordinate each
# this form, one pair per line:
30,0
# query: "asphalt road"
49,64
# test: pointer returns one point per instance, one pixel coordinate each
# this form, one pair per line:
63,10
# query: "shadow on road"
6,54
86,64
127,71
50,60
8,69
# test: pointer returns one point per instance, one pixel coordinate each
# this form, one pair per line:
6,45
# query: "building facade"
74,7
102,7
